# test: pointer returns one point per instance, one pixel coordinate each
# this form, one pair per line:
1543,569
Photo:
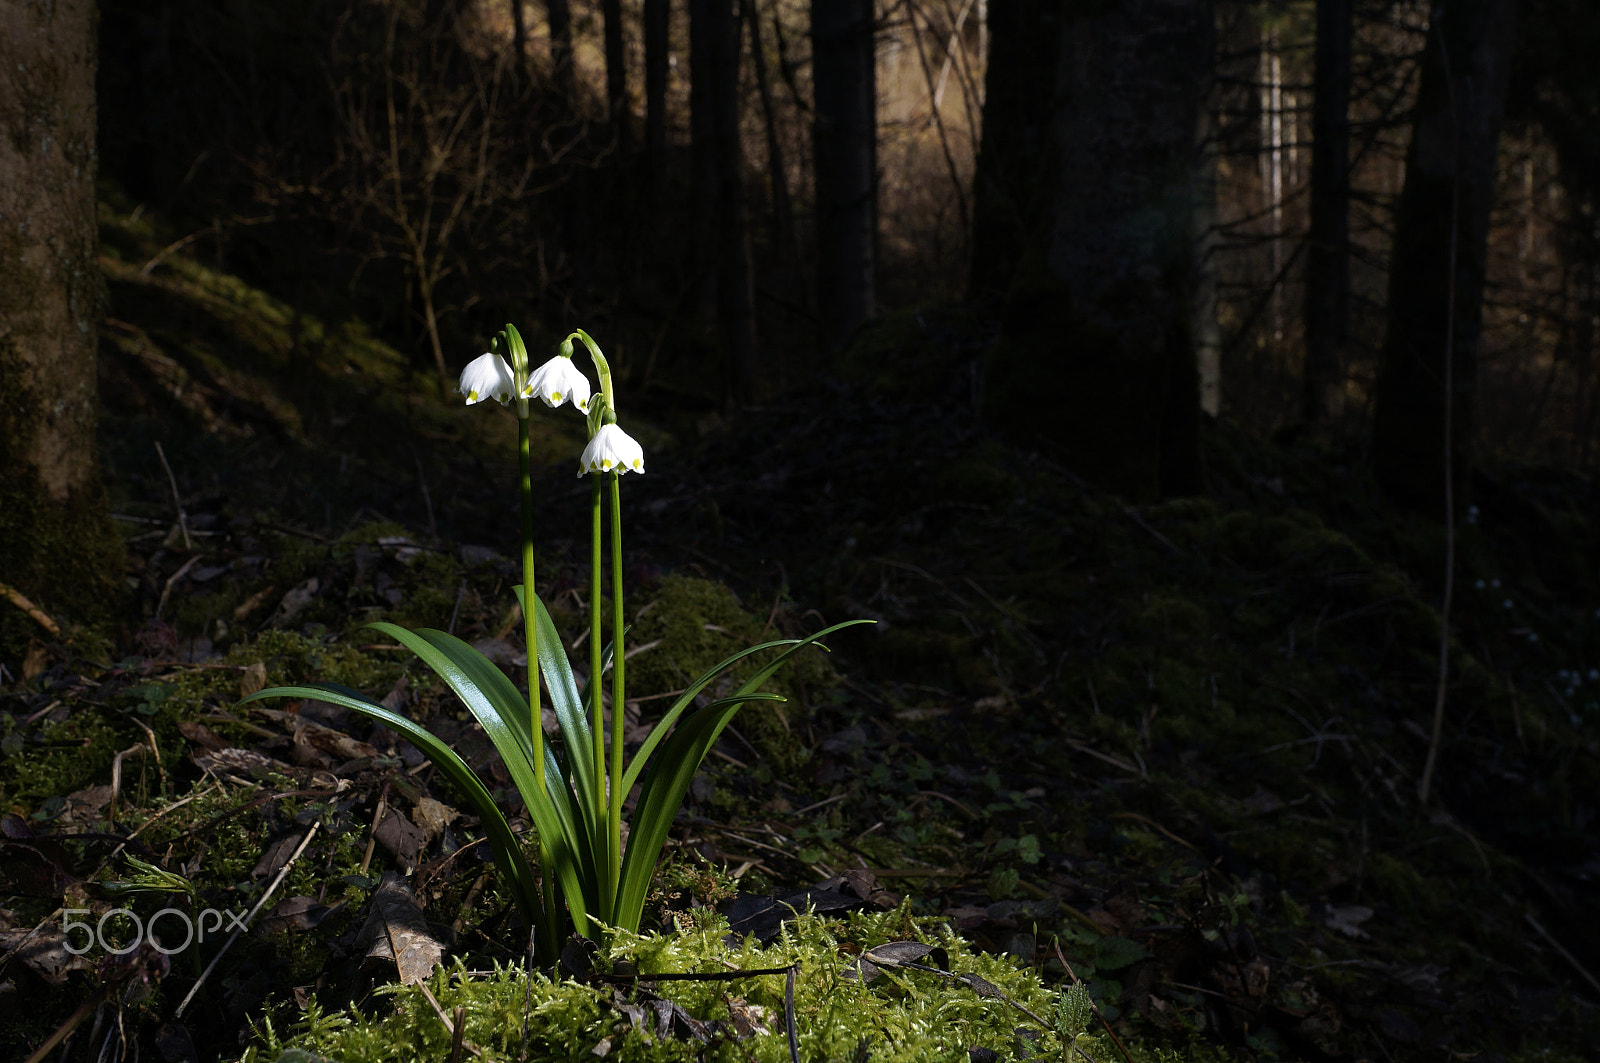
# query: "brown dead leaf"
244,762
433,817
297,913
36,659
401,837
254,679
295,600
201,735
84,805
277,854
335,743
396,930
248,606
45,953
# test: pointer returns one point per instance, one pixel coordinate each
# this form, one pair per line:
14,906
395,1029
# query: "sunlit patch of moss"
59,758
901,1016
294,657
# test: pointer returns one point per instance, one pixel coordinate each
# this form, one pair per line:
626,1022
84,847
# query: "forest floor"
1176,747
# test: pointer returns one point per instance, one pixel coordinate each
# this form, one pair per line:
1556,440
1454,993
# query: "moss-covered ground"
1175,749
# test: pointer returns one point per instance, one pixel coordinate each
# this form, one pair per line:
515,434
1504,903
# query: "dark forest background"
711,187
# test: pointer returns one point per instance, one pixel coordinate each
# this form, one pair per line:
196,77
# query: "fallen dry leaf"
401,837
45,953
433,816
397,930
254,679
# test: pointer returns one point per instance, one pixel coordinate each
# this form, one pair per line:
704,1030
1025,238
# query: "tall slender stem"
530,609
596,661
618,701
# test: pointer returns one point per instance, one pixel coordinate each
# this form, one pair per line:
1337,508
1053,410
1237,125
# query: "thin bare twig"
37,615
283,873
177,499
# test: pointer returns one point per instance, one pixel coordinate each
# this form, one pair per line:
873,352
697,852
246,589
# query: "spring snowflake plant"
573,793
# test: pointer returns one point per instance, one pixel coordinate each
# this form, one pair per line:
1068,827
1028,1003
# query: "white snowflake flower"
558,381
486,377
611,450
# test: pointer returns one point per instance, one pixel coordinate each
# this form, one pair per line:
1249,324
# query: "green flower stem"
529,628
618,701
602,368
596,662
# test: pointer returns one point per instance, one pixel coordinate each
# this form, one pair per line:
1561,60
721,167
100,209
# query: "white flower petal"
611,450
486,377
558,381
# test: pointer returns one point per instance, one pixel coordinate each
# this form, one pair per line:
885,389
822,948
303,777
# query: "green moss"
695,624
1402,885
60,758
900,1016
63,553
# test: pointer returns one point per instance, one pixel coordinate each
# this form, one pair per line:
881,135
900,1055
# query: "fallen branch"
37,615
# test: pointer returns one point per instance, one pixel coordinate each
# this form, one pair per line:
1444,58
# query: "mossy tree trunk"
1096,357
57,546
1444,210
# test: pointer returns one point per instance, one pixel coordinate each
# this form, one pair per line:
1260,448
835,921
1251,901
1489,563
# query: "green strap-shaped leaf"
507,852
587,793
659,733
662,794
501,711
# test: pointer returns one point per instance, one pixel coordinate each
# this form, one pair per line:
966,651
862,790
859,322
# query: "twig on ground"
177,501
457,1044
1569,957
1077,981
166,591
283,873
372,835
37,615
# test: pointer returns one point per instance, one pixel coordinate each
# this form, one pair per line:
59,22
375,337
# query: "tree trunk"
1095,353
1010,192
704,237
1327,306
616,69
844,143
519,33
559,13
735,280
57,546
785,244
1441,234
657,42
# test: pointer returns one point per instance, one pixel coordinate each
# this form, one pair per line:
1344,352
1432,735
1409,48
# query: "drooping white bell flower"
611,450
558,381
487,377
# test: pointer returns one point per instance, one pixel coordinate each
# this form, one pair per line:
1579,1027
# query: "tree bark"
1010,192
657,42
616,68
559,14
844,144
1441,235
735,279
57,546
785,244
1095,353
1327,306
519,33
